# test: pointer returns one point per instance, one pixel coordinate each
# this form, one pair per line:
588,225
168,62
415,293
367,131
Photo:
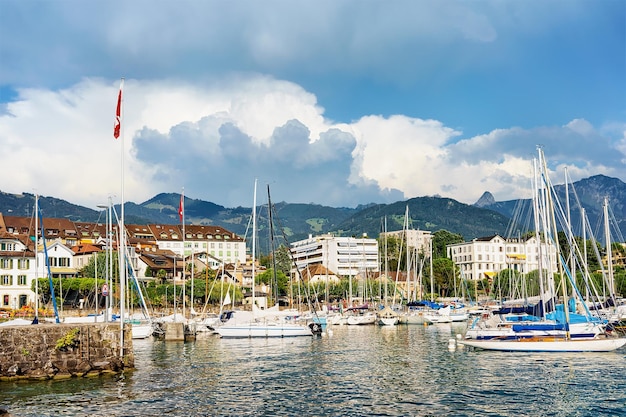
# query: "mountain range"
296,221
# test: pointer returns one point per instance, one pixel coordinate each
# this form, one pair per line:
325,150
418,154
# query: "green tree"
444,274
442,238
90,269
281,282
396,252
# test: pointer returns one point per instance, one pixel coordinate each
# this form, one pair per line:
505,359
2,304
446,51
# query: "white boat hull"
262,330
388,321
368,318
413,318
548,345
142,331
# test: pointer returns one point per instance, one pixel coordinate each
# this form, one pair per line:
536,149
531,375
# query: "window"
23,263
6,263
5,300
5,280
7,246
21,280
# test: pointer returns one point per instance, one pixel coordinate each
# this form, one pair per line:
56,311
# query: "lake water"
356,371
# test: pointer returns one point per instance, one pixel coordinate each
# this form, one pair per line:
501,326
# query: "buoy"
451,344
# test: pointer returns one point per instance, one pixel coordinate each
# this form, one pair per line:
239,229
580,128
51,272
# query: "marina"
352,370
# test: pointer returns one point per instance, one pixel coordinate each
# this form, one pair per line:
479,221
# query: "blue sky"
337,103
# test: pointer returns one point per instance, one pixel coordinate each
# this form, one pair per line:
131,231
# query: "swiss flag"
181,208
118,116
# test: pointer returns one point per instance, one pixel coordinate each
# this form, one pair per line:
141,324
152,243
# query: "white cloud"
215,138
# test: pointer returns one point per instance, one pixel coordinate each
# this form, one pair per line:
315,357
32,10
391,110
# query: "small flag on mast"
118,115
181,208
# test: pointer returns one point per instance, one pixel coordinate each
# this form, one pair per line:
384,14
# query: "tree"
90,269
444,275
441,239
395,259
267,278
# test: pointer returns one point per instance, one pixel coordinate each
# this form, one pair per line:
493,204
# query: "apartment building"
417,239
344,256
485,257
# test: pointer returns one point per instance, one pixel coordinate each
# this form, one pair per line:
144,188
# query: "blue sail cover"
536,310
425,303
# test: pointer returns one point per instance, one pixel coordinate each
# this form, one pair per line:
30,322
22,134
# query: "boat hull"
548,345
263,330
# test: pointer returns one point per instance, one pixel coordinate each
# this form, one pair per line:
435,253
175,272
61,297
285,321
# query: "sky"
337,103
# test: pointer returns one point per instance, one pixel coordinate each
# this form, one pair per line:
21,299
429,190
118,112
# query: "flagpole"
119,131
182,219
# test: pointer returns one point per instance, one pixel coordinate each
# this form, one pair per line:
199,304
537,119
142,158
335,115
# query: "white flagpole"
182,205
122,232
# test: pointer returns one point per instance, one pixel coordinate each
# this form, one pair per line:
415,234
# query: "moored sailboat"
258,323
555,333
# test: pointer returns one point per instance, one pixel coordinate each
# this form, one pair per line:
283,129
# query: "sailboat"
386,316
547,209
260,323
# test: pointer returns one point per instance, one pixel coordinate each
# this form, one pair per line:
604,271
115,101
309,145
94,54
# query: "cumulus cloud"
214,139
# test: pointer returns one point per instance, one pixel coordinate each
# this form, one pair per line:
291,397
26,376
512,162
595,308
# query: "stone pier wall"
53,351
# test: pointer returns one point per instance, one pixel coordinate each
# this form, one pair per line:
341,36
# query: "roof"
86,249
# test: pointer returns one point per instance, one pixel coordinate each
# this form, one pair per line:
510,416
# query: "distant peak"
485,200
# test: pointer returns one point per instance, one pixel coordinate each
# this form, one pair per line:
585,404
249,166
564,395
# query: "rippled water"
356,371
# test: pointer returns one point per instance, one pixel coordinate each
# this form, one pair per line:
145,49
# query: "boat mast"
609,249
554,238
182,220
36,258
253,245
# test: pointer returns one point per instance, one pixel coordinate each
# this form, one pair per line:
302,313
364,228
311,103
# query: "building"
485,257
419,240
17,270
71,245
345,256
215,241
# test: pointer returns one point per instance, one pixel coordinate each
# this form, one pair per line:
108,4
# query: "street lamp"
106,263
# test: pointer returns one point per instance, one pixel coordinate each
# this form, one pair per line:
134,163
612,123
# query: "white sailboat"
561,341
259,323
386,316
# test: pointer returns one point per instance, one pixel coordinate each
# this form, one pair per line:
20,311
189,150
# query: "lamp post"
106,262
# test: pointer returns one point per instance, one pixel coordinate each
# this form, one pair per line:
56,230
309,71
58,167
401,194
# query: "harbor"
353,370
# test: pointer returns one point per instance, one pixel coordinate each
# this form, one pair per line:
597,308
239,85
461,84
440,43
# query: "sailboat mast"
609,250
270,208
36,258
182,219
554,237
253,245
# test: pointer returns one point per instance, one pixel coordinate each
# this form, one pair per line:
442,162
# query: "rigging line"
300,279
613,221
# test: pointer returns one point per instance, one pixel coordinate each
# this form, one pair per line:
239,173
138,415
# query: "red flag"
181,208
118,116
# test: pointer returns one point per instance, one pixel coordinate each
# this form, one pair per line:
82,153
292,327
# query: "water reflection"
359,370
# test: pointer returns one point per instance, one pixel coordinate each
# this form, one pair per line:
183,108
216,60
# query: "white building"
345,256
17,271
485,257
418,239
18,268
214,241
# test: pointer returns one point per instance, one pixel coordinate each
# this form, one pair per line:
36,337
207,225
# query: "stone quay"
56,351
